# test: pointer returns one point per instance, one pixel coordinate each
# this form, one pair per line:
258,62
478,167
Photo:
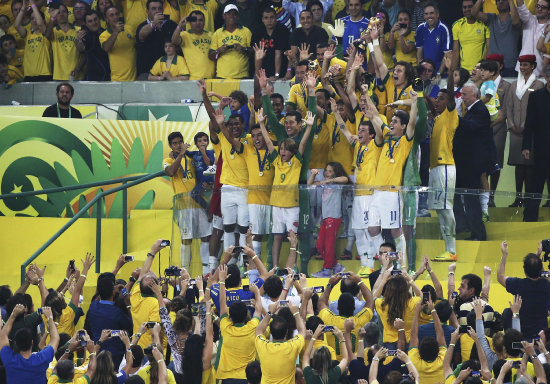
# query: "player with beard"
62,108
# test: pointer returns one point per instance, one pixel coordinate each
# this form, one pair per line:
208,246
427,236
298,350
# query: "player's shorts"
193,223
442,187
360,212
285,219
260,218
410,202
305,211
217,222
385,209
234,206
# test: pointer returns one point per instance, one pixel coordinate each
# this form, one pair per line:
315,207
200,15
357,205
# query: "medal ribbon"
360,154
261,163
390,147
335,133
182,170
59,112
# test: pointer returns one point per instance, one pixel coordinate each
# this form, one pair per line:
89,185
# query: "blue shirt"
103,314
244,111
200,165
232,295
428,330
359,305
435,42
32,370
352,30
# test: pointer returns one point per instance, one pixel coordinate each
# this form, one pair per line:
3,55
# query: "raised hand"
262,78
310,118
329,53
202,86
87,262
260,117
259,51
292,239
516,305
504,248
223,272
220,118
357,61
303,51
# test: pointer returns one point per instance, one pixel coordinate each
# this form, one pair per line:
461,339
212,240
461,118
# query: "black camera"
546,249
417,84
172,271
191,18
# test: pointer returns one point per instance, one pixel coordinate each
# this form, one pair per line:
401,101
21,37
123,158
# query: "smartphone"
391,352
283,303
544,273
192,282
282,272
463,329
248,303
345,275
475,374
320,289
191,18
296,277
395,272
148,350
246,287
150,324
425,297
40,311
128,258
163,243
517,345
237,250
71,265
516,364
393,255
121,19
328,328
81,334
198,309
403,25
124,292
115,333
166,17
454,295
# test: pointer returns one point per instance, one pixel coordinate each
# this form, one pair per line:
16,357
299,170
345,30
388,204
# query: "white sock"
351,238
228,240
484,199
205,253
375,243
185,255
362,244
447,224
212,262
257,246
242,239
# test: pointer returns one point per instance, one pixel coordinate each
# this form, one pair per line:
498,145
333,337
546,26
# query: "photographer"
87,42
533,289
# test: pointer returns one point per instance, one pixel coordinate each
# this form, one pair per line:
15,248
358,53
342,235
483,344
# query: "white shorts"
360,212
217,222
285,219
385,210
193,223
442,187
233,205
260,218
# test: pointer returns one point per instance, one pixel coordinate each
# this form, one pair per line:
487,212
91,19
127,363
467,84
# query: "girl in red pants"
332,185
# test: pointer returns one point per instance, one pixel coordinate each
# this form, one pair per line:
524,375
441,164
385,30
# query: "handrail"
98,197
69,188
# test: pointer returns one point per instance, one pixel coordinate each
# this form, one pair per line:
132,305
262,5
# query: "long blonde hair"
321,362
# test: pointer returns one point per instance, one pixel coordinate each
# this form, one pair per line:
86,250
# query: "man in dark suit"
470,153
536,136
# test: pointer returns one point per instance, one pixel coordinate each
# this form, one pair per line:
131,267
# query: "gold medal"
392,161
185,180
261,173
316,136
232,156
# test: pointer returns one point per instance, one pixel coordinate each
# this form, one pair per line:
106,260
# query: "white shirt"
532,30
294,8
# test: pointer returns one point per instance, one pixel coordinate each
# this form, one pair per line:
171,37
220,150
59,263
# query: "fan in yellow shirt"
298,93
195,43
207,7
322,128
401,38
341,149
170,67
470,39
16,7
63,38
135,11
230,46
119,43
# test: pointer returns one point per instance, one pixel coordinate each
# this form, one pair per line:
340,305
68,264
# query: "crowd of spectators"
276,329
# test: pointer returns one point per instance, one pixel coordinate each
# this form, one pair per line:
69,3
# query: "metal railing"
126,182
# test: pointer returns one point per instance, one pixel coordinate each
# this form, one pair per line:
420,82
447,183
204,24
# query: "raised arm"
150,257
261,118
323,300
447,369
412,118
478,13
413,343
439,334
52,328
349,326
365,291
41,283
516,21
86,264
399,324
257,300
350,88
501,274
345,358
539,369
6,329
435,280
209,339
310,119
162,371
373,371
223,295
273,308
377,56
309,348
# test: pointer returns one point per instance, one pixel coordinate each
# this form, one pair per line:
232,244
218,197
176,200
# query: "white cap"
230,7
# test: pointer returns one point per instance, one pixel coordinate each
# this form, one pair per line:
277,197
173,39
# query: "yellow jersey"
260,173
366,159
178,67
390,333
209,8
65,324
441,142
395,152
65,53
297,97
278,359
145,374
17,60
196,47
54,379
15,74
231,64
234,170
37,60
184,181
473,42
144,308
135,13
172,12
321,138
389,94
388,54
399,55
330,318
19,41
429,372
334,61
285,182
340,148
5,9
122,56
467,344
236,348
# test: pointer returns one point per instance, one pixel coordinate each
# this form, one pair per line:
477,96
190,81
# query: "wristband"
313,338
149,254
371,47
65,279
83,275
375,358
132,279
129,350
408,363
433,310
50,318
208,313
285,289
128,306
451,273
40,279
160,361
401,330
375,43
91,354
208,289
399,102
178,28
136,335
222,283
342,341
359,283
289,69
534,357
254,257
451,345
295,313
292,249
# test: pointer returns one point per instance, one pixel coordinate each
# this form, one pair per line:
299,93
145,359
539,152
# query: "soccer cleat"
346,255
485,217
446,256
210,171
323,273
338,268
423,213
365,271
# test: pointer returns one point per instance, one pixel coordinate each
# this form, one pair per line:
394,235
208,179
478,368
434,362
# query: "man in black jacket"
87,42
470,153
536,137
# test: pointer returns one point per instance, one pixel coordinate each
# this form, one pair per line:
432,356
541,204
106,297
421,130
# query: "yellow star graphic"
17,189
